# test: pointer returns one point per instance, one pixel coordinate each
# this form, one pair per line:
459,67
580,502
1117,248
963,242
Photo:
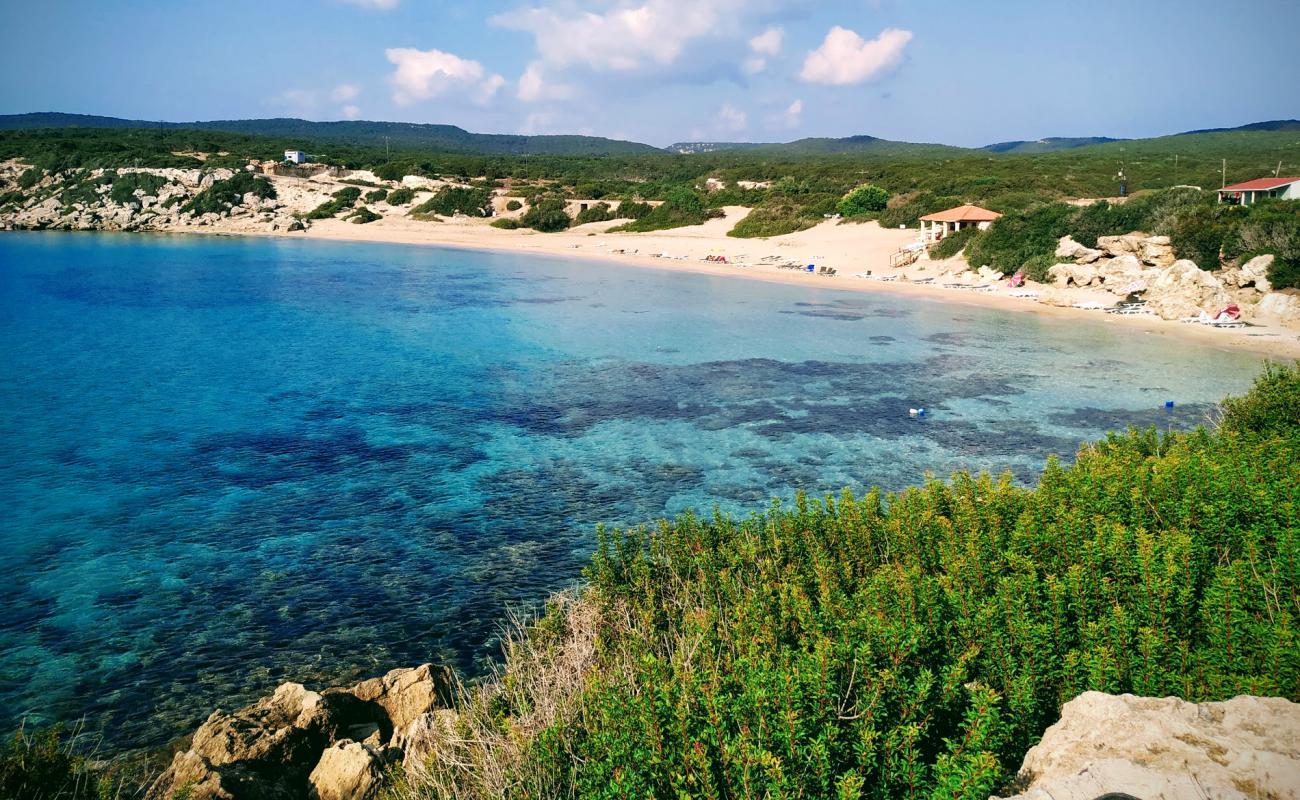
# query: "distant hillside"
860,145
1271,125
397,135
692,148
1048,145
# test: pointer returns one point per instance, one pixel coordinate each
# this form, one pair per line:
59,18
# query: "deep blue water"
228,463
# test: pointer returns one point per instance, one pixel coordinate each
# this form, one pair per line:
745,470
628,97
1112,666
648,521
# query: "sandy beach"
851,249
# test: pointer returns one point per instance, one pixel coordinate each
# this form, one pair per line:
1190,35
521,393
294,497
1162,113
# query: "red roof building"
936,226
1260,188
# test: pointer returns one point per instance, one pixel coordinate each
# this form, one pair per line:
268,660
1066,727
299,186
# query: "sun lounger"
1091,305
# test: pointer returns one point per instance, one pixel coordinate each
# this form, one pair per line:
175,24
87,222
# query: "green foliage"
1036,267
125,185
364,215
1271,408
1020,236
863,201
908,212
914,645
950,246
600,212
506,223
402,196
30,178
342,200
376,196
1199,235
451,200
634,209
775,220
514,205
546,215
222,195
681,207
46,766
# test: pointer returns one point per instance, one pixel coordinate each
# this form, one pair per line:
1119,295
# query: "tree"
547,215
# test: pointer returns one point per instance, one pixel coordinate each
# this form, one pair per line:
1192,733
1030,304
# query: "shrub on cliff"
401,196
950,246
774,220
904,645
600,212
47,764
222,195
451,200
341,200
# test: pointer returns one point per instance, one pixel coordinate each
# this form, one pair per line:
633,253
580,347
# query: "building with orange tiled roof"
936,226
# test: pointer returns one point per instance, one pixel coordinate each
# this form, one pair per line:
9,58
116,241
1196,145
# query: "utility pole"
1278,171
1225,173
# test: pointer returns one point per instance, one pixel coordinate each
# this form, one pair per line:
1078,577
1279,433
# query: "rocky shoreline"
338,744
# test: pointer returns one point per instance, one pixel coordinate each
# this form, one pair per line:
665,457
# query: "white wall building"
295,156
1259,189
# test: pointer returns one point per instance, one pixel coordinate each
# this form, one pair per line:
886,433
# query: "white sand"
849,248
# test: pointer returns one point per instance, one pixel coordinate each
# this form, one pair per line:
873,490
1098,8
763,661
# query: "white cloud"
424,74
768,43
628,37
381,5
298,102
845,58
345,92
351,112
731,119
793,114
534,85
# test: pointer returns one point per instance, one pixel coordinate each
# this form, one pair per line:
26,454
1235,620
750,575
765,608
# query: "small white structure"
936,226
295,156
1259,189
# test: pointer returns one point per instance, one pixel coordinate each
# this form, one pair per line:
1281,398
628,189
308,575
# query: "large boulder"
297,740
1068,248
1065,275
1283,307
1185,290
1129,244
1157,251
347,770
1147,747
1254,273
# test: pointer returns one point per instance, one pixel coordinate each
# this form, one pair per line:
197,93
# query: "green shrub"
402,196
863,201
506,223
30,178
1017,237
451,200
1036,268
633,209
778,220
950,246
600,212
364,215
46,764
126,184
514,205
1199,235
222,195
546,215
909,212
342,200
905,645
376,196
681,207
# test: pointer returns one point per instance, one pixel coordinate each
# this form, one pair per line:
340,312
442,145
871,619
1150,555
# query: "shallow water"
229,463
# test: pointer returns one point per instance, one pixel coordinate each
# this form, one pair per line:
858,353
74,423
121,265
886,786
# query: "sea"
226,463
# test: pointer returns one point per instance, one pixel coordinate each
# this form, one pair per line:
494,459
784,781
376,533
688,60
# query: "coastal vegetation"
864,200
342,200
451,200
905,645
223,194
681,206
546,214
599,212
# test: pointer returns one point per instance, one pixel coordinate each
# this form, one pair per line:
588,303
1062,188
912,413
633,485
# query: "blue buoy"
1169,404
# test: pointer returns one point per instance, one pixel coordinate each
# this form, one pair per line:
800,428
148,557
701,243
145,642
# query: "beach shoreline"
686,247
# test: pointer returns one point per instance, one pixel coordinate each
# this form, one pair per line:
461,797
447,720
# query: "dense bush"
775,220
634,209
1036,268
376,196
864,200
46,766
950,246
30,178
451,200
600,212
125,185
514,205
909,212
222,195
342,200
681,207
1020,236
399,197
364,215
506,223
911,645
546,215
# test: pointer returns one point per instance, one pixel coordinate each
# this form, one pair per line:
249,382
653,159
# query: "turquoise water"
229,463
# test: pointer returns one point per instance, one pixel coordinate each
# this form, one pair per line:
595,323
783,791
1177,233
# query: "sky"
662,71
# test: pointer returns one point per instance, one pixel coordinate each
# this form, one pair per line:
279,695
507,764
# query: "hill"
1047,145
1271,125
397,135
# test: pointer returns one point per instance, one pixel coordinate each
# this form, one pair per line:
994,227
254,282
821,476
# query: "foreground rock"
1154,748
298,744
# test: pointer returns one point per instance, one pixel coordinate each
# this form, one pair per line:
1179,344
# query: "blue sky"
661,71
